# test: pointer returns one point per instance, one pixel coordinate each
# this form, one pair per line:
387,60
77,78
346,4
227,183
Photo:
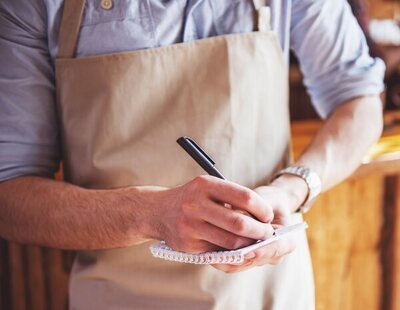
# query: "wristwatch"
312,180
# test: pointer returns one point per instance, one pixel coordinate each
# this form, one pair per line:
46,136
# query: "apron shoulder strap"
259,3
70,26
264,15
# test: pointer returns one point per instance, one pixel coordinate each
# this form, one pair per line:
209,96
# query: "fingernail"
250,255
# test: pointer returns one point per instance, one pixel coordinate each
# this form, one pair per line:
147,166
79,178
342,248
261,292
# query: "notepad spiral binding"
161,250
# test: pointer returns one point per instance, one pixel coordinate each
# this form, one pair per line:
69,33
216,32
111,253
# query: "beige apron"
120,115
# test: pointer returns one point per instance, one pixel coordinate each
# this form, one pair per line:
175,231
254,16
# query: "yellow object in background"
386,148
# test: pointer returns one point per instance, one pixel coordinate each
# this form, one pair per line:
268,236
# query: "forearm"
41,211
188,217
339,146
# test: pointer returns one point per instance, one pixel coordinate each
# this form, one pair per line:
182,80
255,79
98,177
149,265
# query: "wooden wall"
384,9
33,278
345,235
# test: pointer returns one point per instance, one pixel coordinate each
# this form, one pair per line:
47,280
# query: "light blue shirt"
323,34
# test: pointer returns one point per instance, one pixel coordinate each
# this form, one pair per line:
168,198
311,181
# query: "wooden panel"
383,9
395,267
344,239
17,282
56,265
4,276
364,255
34,278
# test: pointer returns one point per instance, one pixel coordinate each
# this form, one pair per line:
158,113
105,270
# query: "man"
118,113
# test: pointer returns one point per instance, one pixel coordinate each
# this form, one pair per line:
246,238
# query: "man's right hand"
194,217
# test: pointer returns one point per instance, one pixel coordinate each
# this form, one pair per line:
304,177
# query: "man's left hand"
282,202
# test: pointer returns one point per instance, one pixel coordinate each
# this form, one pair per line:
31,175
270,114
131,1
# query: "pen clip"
196,146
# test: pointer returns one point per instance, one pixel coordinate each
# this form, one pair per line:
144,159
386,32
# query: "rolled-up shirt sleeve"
28,125
333,54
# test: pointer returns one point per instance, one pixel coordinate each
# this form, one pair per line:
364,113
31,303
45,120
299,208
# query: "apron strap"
70,26
264,15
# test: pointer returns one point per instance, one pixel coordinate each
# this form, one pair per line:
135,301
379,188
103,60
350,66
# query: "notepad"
163,251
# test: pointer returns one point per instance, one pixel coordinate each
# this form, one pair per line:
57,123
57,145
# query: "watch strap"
312,180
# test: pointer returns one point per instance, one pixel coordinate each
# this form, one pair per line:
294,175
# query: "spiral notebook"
161,250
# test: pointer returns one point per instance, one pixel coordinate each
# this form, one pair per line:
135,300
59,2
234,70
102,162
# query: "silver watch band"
312,180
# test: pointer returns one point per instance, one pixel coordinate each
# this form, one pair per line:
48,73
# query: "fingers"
234,222
194,246
221,237
236,195
234,268
201,203
274,252
202,222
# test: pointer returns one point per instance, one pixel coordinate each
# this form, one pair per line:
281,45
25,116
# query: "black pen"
201,157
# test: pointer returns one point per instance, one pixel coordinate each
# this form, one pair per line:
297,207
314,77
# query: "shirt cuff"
21,159
330,92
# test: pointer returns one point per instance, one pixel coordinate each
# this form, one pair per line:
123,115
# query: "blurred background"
354,228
